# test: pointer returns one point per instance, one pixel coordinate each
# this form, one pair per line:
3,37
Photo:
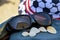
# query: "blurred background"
8,8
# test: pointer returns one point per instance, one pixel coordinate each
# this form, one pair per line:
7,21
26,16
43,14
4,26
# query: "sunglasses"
43,19
21,22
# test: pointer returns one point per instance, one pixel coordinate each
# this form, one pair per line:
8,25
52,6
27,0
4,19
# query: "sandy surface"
8,9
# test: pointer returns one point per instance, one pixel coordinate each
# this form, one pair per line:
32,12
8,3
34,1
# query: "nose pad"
35,4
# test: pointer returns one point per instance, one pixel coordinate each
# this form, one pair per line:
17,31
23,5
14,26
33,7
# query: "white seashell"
32,34
25,33
34,30
42,5
54,9
51,29
42,29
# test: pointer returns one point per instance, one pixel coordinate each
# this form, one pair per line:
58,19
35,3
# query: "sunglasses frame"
46,14
12,29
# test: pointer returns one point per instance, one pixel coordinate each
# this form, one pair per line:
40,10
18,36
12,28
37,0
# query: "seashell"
34,30
32,34
51,29
42,29
25,33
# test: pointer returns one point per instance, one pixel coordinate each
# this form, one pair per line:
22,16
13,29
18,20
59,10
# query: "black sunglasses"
43,19
19,22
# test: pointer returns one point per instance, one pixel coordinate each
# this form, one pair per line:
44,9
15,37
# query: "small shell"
51,29
42,29
34,30
31,34
25,33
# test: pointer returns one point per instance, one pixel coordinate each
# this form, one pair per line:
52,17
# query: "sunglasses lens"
43,19
20,22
